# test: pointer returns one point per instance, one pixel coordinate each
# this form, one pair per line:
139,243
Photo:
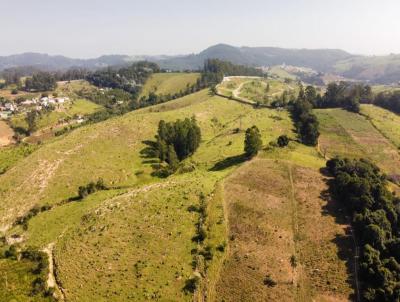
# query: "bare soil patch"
6,134
273,224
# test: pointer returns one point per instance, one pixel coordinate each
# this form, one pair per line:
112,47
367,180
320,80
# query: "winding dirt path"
51,280
295,226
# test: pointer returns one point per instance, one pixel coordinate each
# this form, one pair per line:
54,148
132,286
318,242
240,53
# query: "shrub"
11,253
283,141
90,188
191,284
268,281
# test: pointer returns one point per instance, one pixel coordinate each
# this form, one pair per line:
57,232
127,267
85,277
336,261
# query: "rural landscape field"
224,175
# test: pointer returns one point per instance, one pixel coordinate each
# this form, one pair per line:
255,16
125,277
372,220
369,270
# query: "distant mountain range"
380,69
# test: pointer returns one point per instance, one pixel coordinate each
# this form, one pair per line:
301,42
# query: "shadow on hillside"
150,157
344,242
229,162
150,151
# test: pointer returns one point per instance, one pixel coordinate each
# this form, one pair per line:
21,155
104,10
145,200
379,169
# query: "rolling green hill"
270,231
256,90
155,208
168,83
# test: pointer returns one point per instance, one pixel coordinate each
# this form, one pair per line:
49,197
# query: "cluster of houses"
9,108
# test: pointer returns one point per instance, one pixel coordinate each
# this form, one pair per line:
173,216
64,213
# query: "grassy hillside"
255,89
77,106
380,69
278,233
351,135
281,73
387,122
272,233
129,221
58,116
168,83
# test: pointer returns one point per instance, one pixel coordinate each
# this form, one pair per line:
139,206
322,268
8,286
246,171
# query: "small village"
9,108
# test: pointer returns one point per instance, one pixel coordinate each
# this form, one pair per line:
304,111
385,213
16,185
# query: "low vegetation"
24,275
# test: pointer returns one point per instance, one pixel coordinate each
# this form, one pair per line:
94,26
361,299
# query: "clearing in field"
168,83
254,89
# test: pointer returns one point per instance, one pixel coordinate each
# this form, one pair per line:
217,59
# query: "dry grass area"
6,134
6,93
273,224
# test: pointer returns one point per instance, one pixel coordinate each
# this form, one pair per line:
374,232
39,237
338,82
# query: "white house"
9,107
5,114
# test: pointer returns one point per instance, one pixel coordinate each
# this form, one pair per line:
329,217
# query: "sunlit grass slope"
169,83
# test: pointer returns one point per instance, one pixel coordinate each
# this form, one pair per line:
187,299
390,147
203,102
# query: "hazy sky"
89,28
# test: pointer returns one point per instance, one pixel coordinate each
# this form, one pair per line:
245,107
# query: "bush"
191,284
11,253
268,281
92,187
38,286
283,141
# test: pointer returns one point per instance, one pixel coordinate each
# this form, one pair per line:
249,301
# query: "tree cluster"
306,122
72,74
129,78
389,101
343,95
375,211
214,71
177,140
41,81
90,188
153,98
252,141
